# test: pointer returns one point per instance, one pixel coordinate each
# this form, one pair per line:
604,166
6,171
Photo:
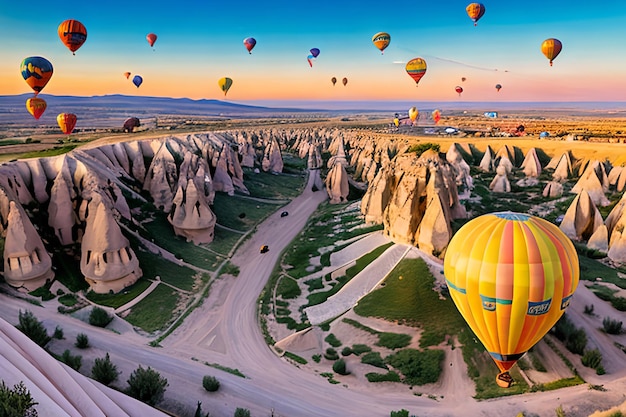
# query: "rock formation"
337,184
595,182
455,158
272,158
617,178
582,218
191,216
26,262
531,165
553,189
107,260
562,167
500,183
599,240
487,161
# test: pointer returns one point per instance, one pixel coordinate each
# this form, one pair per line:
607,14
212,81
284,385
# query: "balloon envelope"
333,80
381,40
413,113
36,106
551,48
36,72
137,80
66,122
249,43
512,283
458,89
475,11
315,52
225,83
498,87
436,116
416,68
310,60
151,38
344,81
127,74
73,34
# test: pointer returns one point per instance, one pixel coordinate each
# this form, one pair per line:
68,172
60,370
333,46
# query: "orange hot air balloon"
36,106
333,80
551,48
66,122
344,81
151,38
512,283
458,89
381,41
475,11
73,34
416,68
127,74
36,71
436,116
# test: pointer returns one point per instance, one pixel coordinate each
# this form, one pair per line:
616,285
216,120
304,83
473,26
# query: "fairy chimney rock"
191,216
337,184
582,218
500,183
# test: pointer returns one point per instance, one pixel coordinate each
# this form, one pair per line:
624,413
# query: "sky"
201,41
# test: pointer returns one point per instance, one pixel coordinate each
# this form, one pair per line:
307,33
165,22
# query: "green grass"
296,358
57,150
224,241
240,213
118,300
156,310
274,186
288,288
232,371
153,265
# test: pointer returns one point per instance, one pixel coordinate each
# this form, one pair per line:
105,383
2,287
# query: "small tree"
16,402
74,362
400,413
612,326
210,383
242,412
104,371
146,385
340,367
82,341
99,317
199,412
33,328
58,333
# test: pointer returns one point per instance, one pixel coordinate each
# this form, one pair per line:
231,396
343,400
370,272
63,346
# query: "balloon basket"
504,379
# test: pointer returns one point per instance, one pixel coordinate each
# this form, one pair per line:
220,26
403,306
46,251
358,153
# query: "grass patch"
57,150
418,367
393,340
287,288
295,358
274,186
240,213
123,297
374,359
388,377
154,265
156,310
233,371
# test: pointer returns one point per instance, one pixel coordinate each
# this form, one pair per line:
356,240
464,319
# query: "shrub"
332,340
393,340
82,341
388,377
74,362
418,367
400,413
575,339
99,317
33,328
104,371
588,310
331,354
592,358
210,383
242,412
374,359
340,367
146,385
58,333
316,358
16,401
612,326
359,349
347,351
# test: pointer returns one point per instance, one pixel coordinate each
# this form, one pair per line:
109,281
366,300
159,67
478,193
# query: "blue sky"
200,42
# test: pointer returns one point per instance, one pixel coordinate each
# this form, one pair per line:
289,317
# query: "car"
264,249
284,214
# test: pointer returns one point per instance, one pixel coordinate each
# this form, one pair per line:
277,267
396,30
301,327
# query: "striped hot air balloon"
416,68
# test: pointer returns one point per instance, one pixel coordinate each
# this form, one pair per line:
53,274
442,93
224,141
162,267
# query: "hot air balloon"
498,87
458,89
127,74
436,116
137,80
310,60
36,106
225,83
344,81
381,40
413,113
475,11
249,43
551,48
66,122
416,68
73,34
463,79
151,38
36,71
512,283
333,80
315,52
131,124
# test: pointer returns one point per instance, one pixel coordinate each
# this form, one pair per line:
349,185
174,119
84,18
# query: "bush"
332,340
33,328
418,367
82,341
146,385
592,358
612,326
347,351
388,377
99,317
400,413
575,339
58,333
74,362
210,383
104,371
331,354
359,349
16,401
242,412
340,367
588,310
374,359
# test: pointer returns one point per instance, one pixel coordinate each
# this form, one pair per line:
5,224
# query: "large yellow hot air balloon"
225,84
381,40
413,113
512,283
416,68
551,48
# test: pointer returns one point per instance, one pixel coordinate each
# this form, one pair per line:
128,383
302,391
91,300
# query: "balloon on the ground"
512,283
151,38
249,43
66,122
73,34
551,48
381,41
475,11
137,80
344,81
416,68
436,116
36,106
225,83
36,71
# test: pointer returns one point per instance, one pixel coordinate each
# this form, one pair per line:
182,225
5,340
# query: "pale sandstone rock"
562,168
191,216
553,189
487,163
26,262
38,179
599,240
500,183
337,185
272,158
531,165
61,209
582,218
593,181
160,176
